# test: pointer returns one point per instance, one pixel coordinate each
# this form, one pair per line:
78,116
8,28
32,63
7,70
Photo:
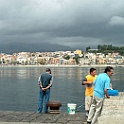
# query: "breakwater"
113,110
112,113
9,117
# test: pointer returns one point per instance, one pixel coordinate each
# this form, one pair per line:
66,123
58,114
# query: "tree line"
107,49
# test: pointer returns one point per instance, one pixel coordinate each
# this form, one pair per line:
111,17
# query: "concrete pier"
9,117
113,110
112,113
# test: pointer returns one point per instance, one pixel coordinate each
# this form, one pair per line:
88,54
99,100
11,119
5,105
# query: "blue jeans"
43,99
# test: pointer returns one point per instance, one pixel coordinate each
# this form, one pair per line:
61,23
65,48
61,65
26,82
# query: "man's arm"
85,82
51,82
107,86
106,93
39,82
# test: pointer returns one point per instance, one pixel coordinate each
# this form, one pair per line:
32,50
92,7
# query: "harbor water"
19,90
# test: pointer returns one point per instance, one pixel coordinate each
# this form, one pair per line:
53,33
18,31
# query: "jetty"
10,117
112,113
113,110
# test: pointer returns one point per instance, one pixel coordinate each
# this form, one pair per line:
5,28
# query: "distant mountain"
32,47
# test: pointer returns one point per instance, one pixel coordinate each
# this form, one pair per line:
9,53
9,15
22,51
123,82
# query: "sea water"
19,90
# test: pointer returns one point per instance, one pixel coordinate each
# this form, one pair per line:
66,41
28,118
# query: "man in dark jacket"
45,82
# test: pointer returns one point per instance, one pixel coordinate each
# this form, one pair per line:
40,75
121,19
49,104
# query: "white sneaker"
87,114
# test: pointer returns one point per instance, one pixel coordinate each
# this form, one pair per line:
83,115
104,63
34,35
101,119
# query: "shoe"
88,122
86,114
39,112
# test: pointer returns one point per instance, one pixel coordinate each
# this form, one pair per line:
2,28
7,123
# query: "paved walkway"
113,110
9,117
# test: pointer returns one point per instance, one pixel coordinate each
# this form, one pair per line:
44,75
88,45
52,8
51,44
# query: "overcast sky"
75,23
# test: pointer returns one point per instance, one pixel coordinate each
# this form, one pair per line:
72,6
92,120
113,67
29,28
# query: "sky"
74,23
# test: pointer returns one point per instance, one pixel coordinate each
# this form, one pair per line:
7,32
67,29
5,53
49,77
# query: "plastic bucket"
113,92
71,108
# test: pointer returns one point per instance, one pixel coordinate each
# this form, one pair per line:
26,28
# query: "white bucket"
71,108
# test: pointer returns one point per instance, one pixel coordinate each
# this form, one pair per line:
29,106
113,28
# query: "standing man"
45,82
88,82
101,86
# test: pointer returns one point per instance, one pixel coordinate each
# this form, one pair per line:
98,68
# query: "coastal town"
77,57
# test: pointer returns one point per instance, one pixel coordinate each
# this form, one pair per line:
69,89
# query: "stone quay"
113,110
112,113
10,117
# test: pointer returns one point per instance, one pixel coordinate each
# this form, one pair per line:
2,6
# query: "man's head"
109,70
48,70
93,71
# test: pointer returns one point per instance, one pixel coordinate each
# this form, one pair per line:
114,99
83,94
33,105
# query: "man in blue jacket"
45,82
101,86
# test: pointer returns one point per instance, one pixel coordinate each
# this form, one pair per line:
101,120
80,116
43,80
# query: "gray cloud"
117,21
73,23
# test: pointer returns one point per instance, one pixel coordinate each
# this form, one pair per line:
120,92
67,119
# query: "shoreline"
61,65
